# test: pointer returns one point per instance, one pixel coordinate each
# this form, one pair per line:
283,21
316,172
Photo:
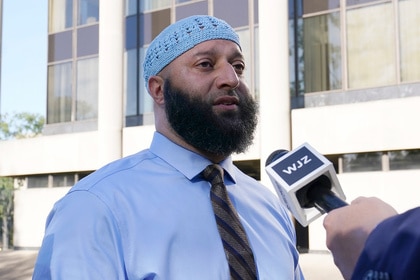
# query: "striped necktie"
234,239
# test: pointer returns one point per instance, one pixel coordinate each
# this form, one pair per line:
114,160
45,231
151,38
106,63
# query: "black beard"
219,134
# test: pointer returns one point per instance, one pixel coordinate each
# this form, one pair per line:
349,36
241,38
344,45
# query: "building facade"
342,75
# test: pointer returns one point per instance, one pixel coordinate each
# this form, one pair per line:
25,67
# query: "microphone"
306,182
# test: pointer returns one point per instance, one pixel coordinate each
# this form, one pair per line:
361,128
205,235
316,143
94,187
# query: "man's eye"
205,64
239,67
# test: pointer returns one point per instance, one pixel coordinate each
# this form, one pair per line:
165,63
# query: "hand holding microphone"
305,182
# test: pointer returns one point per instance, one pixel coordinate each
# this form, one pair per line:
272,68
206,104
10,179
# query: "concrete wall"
50,154
31,210
383,125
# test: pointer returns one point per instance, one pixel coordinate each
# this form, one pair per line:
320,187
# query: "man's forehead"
215,47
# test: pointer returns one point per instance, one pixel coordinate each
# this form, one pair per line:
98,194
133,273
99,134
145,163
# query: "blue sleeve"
392,249
80,242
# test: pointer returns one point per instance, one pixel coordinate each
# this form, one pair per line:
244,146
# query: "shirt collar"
185,161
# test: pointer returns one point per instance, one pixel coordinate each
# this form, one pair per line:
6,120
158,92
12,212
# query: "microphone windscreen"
274,156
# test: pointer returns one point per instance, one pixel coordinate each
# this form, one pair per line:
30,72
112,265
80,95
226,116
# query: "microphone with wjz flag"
306,182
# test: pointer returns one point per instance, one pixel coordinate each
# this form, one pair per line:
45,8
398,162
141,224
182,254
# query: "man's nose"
227,77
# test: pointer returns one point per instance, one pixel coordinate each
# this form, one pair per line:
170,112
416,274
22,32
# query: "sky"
23,83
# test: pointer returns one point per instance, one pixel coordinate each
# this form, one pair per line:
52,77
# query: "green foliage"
20,125
6,211
6,196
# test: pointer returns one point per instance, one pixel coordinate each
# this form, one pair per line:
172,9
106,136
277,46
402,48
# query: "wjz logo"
297,165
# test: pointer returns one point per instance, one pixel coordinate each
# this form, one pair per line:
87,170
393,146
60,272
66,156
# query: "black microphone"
306,182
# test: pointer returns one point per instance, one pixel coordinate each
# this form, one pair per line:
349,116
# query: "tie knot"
213,173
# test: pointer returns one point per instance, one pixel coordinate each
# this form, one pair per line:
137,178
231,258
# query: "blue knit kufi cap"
182,36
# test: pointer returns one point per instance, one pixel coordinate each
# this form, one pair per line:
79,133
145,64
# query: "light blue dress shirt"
149,216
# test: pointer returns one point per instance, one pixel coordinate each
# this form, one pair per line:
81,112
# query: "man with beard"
150,215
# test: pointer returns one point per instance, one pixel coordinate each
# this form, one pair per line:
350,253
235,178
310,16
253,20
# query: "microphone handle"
326,200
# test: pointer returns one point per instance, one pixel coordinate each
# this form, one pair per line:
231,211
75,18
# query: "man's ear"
156,89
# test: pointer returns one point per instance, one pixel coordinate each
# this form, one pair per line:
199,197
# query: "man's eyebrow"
211,52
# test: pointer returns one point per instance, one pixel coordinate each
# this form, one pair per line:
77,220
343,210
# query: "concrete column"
111,80
274,79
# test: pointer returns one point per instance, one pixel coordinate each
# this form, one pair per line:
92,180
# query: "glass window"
138,100
245,39
358,2
313,6
60,15
408,159
131,82
145,101
257,62
88,12
38,181
88,40
59,93
60,46
322,53
63,180
371,46
87,89
296,67
362,162
131,7
409,16
73,86
223,9
295,48
131,34
147,5
183,1
198,8
152,24
256,12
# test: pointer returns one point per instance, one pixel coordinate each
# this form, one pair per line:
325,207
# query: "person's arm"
349,227
81,241
392,249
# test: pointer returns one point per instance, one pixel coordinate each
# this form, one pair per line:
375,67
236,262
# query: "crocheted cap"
182,36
